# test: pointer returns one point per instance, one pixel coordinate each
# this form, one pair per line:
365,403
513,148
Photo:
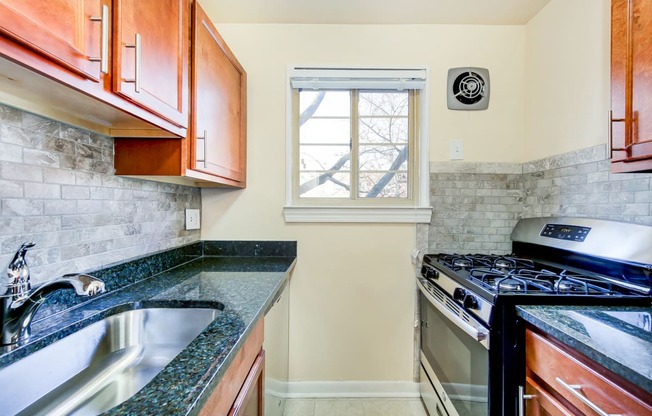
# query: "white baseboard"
352,389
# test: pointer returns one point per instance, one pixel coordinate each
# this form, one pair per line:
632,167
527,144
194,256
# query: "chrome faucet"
20,302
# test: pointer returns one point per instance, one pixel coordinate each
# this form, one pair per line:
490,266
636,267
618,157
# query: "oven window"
460,363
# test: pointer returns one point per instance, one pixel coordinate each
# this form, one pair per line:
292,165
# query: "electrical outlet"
192,219
457,149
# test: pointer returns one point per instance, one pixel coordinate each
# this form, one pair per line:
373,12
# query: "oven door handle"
481,336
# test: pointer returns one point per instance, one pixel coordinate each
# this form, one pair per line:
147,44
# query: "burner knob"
470,302
459,294
429,273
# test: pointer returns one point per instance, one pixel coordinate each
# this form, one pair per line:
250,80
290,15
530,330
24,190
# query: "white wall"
567,77
352,297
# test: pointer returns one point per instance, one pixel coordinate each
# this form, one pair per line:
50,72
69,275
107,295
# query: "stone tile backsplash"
476,205
57,188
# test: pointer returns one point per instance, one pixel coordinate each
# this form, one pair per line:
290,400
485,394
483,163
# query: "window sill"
415,215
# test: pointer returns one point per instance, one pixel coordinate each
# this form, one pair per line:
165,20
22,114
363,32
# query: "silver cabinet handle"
574,390
104,45
202,159
613,120
522,397
137,45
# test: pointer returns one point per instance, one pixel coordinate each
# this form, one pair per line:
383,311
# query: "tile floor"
354,407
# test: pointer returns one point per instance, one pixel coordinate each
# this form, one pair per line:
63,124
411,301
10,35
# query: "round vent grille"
468,89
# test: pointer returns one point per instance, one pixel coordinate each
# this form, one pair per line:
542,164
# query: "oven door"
454,353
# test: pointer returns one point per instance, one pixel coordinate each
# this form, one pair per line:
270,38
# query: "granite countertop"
242,282
617,337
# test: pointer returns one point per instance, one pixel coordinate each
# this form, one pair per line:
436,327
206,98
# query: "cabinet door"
67,32
631,85
219,104
151,55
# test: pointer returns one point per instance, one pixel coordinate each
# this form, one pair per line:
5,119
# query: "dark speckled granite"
618,338
250,248
242,286
119,275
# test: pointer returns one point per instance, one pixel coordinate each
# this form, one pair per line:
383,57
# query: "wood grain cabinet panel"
571,384
631,86
58,58
241,384
541,403
250,400
67,32
214,152
219,104
151,55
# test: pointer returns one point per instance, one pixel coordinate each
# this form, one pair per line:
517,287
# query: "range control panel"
565,232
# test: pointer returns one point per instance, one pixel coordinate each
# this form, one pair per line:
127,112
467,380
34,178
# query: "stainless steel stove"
470,346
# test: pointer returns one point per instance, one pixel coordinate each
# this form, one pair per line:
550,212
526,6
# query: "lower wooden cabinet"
241,390
250,400
562,381
540,403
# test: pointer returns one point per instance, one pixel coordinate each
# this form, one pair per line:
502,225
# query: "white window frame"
417,212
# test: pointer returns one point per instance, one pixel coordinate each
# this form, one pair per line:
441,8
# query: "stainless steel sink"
101,365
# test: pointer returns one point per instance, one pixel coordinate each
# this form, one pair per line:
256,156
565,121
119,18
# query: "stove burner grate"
467,261
539,281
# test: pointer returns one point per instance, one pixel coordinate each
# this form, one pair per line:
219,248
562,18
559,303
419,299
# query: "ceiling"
485,12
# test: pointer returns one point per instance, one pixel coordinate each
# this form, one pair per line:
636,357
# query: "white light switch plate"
457,149
192,219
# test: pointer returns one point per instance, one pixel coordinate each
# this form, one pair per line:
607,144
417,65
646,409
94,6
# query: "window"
355,153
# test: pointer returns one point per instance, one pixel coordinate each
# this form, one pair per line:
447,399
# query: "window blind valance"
357,78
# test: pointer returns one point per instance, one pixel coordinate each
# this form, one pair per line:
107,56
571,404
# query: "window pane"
385,103
326,131
327,123
324,104
324,157
325,185
383,158
383,185
383,130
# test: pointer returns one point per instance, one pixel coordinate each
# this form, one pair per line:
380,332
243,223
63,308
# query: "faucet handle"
17,282
84,284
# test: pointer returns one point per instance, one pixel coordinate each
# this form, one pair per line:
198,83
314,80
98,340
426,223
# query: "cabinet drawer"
250,399
570,378
541,403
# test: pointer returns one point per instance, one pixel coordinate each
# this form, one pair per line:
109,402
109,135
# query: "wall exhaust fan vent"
468,88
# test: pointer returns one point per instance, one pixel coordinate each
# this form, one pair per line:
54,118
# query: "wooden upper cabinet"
63,59
68,32
151,55
631,85
219,85
214,152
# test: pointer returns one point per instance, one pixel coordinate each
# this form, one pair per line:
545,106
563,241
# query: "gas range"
468,303
547,265
510,274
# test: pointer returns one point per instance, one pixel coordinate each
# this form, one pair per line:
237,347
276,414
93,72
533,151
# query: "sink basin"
101,365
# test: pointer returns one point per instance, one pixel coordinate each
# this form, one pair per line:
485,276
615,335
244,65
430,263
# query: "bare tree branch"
388,109
310,111
382,183
326,176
